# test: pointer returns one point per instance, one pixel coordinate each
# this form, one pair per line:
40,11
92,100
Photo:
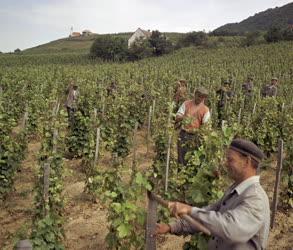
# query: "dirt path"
16,212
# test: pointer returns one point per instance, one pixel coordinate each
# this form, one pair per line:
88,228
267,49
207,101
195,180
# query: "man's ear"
248,160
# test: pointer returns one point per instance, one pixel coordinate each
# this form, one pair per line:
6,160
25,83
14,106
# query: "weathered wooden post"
168,163
97,146
239,116
153,110
134,149
254,108
24,119
149,129
151,224
47,171
24,245
95,114
103,106
55,136
277,182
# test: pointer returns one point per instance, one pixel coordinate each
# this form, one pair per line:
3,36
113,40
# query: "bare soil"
85,221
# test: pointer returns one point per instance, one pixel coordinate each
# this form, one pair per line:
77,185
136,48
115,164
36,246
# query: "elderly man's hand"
178,209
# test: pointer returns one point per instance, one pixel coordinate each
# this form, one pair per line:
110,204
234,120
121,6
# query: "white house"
86,33
139,33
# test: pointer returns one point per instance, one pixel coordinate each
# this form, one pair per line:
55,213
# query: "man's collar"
240,188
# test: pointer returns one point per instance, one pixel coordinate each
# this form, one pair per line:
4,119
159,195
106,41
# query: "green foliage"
109,48
288,34
12,151
78,135
251,38
274,34
48,234
140,49
193,39
47,225
160,43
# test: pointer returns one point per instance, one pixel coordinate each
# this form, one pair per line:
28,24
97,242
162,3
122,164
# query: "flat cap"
202,91
274,78
247,148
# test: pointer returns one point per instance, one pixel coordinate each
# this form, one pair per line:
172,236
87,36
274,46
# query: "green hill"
81,44
279,16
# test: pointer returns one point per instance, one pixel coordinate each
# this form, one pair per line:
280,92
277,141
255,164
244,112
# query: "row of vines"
110,119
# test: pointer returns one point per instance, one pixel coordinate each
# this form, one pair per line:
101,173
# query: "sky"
28,23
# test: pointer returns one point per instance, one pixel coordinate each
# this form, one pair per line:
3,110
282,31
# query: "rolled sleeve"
181,227
206,117
236,225
181,110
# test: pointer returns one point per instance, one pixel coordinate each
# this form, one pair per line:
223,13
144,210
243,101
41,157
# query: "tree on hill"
109,48
193,39
160,43
140,49
17,50
274,34
251,38
288,34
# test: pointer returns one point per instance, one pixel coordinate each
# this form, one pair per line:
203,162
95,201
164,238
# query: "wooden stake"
277,182
134,150
153,110
25,118
151,224
97,146
46,185
103,106
55,136
149,129
167,163
239,116
254,108
95,114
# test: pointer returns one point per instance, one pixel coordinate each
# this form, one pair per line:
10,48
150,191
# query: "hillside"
261,21
81,44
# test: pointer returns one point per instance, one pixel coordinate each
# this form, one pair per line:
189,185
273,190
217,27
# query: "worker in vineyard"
247,87
191,115
111,89
241,218
71,102
180,94
224,96
270,90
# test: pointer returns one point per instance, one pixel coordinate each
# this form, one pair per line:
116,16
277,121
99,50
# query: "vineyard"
85,186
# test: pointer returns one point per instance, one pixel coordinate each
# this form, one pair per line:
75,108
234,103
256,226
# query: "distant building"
86,33
75,34
139,33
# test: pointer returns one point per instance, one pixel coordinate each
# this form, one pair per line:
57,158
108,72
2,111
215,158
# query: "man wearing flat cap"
191,115
241,219
270,90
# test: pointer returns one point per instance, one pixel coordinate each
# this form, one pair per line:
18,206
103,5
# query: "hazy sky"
27,23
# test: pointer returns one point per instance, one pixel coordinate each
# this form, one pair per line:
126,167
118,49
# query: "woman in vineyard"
241,219
191,115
